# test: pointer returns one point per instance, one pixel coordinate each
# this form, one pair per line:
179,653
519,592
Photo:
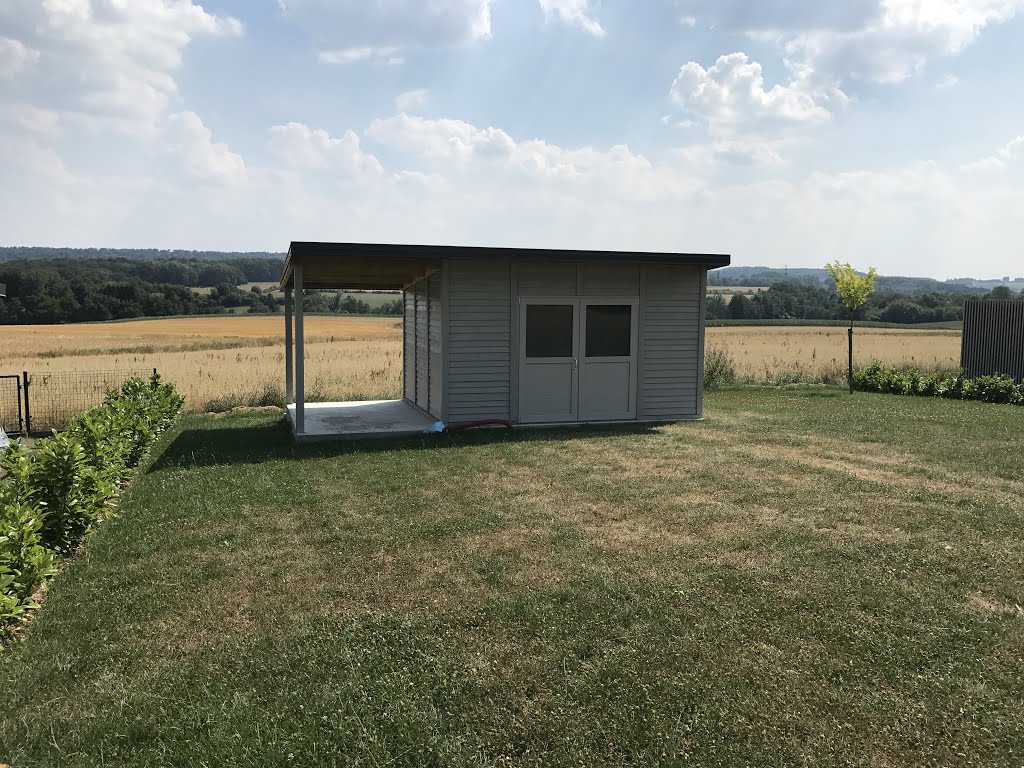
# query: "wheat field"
778,353
226,360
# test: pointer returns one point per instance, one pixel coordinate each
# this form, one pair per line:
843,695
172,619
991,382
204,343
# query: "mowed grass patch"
805,578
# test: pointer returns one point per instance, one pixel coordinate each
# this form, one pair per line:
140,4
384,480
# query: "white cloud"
189,139
744,15
98,59
491,158
1002,159
360,25
947,82
302,147
411,99
384,54
733,153
451,181
885,41
15,56
577,13
731,94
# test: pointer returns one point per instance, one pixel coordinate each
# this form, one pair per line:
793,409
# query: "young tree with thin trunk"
853,290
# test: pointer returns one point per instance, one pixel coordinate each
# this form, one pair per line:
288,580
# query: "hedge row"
956,386
50,497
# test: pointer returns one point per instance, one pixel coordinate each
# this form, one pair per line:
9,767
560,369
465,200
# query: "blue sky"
784,132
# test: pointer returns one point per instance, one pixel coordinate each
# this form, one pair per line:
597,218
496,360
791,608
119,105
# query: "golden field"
235,358
781,352
240,358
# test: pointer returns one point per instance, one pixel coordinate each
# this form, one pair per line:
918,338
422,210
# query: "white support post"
300,362
289,352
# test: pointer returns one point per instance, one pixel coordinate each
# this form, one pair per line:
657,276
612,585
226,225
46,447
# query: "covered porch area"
359,419
346,266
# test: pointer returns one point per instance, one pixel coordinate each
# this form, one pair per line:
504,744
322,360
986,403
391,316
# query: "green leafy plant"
853,290
955,386
719,368
50,498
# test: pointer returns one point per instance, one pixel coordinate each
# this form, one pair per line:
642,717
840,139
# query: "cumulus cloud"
577,13
98,59
731,94
357,25
302,147
384,54
743,15
456,144
1003,158
732,153
411,99
884,41
191,141
15,56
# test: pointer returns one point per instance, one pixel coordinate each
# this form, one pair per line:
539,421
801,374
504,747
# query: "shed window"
609,330
549,330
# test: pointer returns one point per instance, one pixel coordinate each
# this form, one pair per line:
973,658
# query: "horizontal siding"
611,279
409,346
670,346
422,347
554,279
435,378
479,341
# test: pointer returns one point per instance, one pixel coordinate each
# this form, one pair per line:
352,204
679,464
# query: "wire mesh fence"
53,398
10,404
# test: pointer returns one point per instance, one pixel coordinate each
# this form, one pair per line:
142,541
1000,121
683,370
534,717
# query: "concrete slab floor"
360,419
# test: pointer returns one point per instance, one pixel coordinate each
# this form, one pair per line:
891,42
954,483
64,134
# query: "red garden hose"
482,423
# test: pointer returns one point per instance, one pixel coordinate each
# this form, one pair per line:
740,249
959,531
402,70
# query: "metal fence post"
21,417
28,408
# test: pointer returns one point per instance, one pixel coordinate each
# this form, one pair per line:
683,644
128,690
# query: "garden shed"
531,336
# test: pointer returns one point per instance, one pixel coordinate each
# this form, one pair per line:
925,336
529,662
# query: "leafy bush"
719,368
955,386
50,498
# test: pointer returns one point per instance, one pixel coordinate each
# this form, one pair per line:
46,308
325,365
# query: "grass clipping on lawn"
805,578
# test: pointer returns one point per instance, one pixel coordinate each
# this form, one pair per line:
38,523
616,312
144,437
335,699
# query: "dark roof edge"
304,248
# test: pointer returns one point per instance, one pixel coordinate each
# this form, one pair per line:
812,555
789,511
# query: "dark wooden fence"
993,339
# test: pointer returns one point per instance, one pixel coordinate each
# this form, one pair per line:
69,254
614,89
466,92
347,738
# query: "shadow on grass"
224,442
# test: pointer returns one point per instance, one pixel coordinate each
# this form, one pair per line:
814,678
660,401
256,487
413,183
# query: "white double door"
577,359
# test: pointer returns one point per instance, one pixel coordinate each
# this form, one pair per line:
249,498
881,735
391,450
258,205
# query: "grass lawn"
805,578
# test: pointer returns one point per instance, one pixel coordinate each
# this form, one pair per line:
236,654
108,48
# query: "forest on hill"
105,288
802,301
54,285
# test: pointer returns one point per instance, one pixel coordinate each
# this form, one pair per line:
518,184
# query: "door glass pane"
609,330
549,330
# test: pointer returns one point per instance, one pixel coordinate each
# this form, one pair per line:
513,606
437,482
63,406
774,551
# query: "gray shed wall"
483,299
423,358
671,343
479,340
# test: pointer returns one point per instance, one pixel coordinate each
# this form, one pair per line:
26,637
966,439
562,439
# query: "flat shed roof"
379,266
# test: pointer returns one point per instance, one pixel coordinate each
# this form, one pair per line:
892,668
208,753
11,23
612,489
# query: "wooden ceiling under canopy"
376,266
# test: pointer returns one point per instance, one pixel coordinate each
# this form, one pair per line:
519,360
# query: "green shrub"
719,368
51,497
955,386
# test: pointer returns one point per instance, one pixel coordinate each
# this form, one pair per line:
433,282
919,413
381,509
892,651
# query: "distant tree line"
17,253
764,276
81,290
194,273
803,301
101,287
